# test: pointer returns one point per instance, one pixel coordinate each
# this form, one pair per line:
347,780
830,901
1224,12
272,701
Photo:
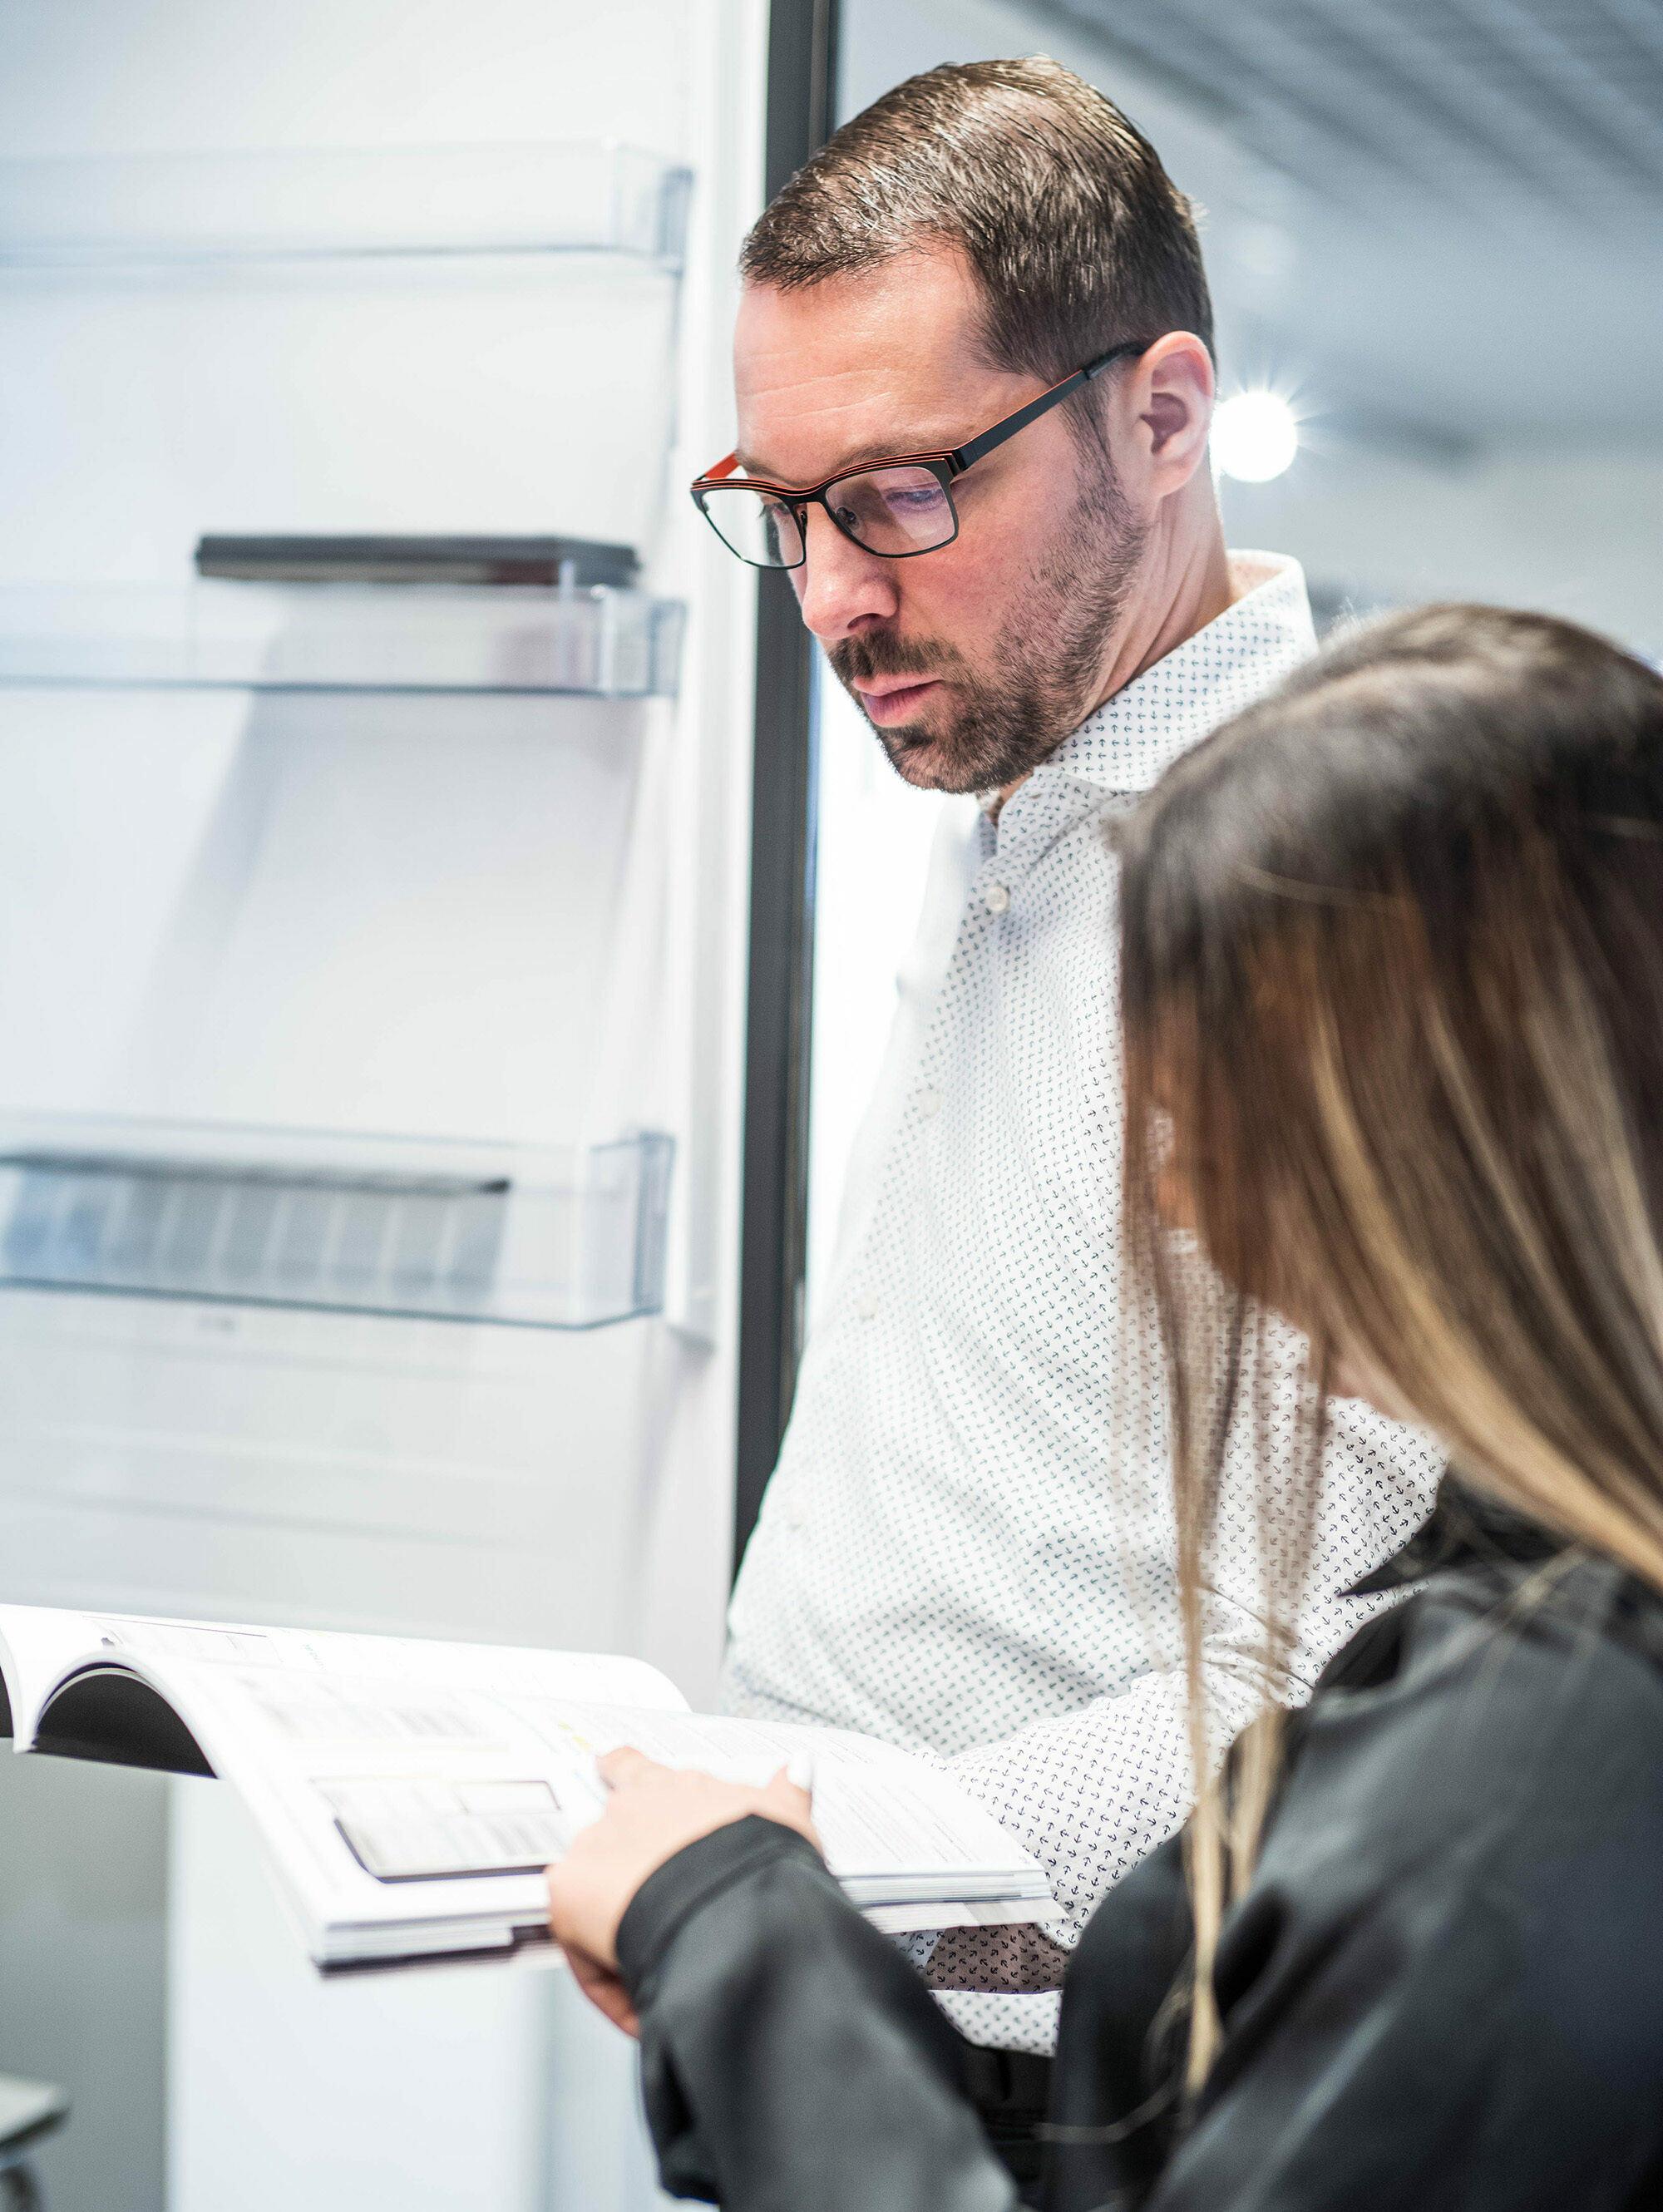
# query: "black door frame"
801,77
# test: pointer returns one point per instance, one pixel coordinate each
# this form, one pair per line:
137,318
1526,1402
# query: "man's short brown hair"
1079,238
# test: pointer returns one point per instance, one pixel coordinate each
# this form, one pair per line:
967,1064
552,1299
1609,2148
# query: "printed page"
886,1819
915,1919
45,1645
502,1667
400,1802
401,1815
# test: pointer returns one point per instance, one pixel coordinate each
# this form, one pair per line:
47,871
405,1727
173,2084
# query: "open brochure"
408,1794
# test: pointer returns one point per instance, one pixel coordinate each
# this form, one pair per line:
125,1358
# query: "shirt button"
867,1308
997,898
929,1103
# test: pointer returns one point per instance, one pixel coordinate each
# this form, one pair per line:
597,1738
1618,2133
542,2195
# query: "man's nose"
840,587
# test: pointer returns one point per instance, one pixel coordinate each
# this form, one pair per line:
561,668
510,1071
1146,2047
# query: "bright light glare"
1254,436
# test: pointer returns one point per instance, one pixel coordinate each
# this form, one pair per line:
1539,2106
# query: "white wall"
1572,532
83,1957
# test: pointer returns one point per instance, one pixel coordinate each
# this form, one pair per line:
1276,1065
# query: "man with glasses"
974,382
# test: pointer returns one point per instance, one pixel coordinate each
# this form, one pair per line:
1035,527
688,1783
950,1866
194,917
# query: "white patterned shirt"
949,1554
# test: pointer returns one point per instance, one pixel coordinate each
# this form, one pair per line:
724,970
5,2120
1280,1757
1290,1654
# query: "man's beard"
1039,678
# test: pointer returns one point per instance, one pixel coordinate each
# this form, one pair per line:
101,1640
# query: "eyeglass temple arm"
978,448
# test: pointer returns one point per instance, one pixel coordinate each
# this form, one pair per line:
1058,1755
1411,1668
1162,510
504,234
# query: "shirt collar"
1130,741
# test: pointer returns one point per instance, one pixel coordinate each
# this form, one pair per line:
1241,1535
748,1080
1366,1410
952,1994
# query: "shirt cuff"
703,1869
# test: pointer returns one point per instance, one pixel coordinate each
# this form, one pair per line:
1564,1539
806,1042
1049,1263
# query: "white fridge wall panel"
683,77
434,395
280,2092
108,796
398,918
418,1478
374,913
101,76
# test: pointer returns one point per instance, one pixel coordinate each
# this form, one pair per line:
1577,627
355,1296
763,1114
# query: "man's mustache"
880,653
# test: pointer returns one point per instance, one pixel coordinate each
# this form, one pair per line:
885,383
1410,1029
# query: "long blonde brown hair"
1391,977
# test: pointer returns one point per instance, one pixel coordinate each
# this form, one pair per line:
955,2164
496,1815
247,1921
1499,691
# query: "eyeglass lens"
888,511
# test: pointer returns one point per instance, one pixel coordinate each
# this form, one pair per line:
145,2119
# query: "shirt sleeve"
1091,1793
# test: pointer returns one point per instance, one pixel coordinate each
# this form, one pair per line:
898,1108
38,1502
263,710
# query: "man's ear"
1168,394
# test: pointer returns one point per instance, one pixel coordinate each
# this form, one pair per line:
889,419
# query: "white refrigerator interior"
371,958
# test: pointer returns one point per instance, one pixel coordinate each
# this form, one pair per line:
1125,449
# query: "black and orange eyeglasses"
896,508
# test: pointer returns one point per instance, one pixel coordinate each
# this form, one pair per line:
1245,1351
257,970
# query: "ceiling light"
1254,436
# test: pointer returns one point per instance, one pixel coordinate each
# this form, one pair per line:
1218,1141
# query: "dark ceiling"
1445,225
1549,106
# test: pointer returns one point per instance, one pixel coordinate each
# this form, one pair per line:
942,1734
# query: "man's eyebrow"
858,457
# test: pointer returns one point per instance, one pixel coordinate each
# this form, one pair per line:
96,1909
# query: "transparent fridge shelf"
560,1237
596,199
594,642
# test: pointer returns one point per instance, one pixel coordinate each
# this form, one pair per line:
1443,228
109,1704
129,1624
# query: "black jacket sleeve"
791,2060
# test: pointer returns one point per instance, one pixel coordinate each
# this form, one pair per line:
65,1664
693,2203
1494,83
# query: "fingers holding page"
789,1799
652,1813
625,1766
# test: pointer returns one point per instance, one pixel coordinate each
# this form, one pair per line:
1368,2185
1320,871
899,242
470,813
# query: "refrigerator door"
372,954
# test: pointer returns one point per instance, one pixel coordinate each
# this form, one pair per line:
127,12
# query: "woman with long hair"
1392,975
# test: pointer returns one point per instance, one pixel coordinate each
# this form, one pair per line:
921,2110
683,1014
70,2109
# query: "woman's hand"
653,1811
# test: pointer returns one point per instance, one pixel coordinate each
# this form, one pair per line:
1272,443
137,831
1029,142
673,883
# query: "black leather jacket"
1443,1988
